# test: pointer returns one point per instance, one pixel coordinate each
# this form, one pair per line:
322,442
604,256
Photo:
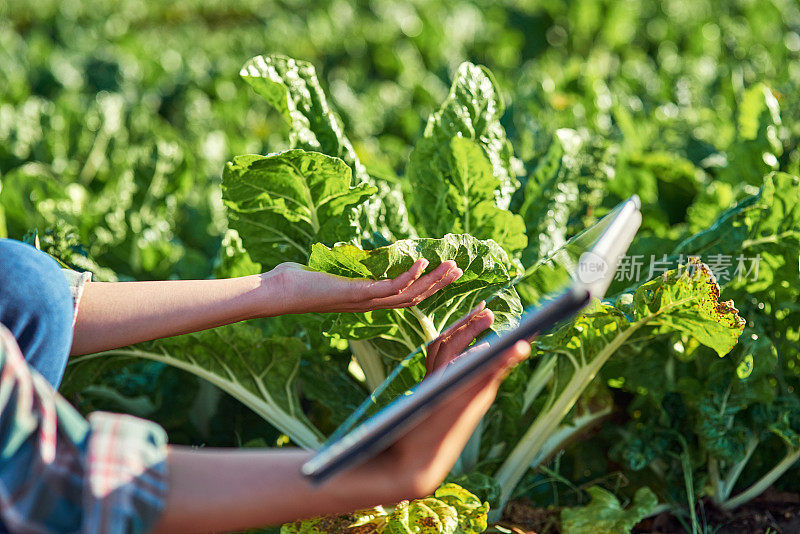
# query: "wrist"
275,293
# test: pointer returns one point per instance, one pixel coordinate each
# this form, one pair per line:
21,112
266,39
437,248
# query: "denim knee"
36,306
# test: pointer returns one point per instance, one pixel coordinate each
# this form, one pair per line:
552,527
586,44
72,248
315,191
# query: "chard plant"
714,416
450,510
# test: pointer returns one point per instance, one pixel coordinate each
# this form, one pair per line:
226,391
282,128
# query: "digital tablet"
588,277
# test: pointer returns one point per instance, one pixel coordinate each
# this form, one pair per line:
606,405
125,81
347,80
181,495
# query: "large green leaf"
487,270
291,86
687,300
473,110
282,204
458,193
259,371
550,195
605,515
461,167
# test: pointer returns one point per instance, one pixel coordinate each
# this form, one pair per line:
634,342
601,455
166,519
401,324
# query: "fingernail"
525,350
424,263
458,272
477,309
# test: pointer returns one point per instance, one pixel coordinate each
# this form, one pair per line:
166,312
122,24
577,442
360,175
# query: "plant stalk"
532,442
764,482
370,362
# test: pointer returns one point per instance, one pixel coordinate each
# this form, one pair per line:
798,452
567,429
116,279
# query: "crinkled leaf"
473,110
486,266
463,161
291,86
451,510
281,204
457,193
422,516
470,510
691,302
605,515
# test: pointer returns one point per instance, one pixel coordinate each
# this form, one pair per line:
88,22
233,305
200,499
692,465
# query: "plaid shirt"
62,473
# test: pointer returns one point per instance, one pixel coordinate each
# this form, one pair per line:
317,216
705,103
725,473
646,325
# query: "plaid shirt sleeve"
62,473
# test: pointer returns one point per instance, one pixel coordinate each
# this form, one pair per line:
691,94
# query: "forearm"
113,315
226,490
117,314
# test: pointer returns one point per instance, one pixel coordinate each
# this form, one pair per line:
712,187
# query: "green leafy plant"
315,204
450,510
115,155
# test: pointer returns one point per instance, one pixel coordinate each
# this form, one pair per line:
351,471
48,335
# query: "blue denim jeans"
36,306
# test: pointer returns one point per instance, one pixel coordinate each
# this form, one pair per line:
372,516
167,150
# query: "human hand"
225,490
302,290
417,463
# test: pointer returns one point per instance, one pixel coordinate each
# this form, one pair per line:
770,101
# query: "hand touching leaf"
306,290
486,270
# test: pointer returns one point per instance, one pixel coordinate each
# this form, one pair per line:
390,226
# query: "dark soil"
774,512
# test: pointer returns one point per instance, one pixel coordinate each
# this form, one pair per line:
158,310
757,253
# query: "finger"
518,353
458,339
442,275
434,346
449,278
393,286
464,320
453,335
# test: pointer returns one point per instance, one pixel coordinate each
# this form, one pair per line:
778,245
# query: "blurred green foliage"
116,119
